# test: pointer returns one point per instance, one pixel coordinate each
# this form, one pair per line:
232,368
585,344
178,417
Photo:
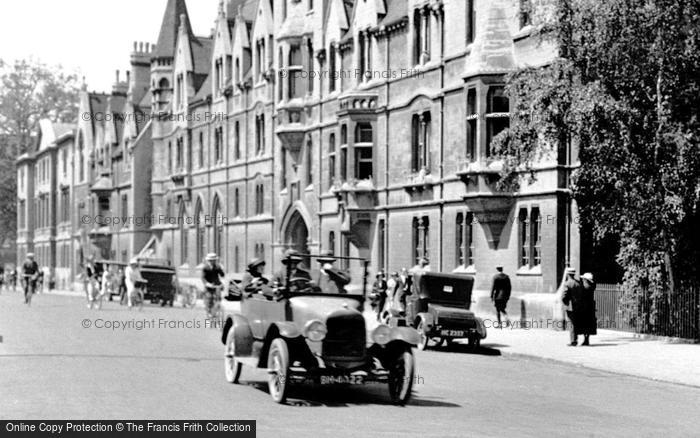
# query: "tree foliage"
29,91
625,90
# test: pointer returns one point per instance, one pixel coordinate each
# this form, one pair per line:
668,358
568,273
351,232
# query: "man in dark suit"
330,279
291,261
30,275
500,293
580,302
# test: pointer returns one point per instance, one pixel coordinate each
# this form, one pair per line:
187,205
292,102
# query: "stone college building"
361,127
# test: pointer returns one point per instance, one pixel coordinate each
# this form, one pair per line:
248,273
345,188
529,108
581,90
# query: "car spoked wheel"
401,378
232,368
278,369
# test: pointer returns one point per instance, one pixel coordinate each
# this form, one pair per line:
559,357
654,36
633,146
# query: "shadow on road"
483,350
339,396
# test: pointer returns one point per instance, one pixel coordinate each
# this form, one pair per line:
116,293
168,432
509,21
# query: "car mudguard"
428,319
287,329
408,335
243,335
295,341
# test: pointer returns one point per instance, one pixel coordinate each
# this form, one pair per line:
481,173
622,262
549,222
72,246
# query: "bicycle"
138,295
29,287
215,312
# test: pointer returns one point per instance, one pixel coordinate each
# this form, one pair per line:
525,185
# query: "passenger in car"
331,280
254,281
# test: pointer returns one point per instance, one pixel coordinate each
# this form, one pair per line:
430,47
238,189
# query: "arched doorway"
296,235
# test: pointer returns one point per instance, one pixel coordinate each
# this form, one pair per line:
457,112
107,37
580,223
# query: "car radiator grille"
346,337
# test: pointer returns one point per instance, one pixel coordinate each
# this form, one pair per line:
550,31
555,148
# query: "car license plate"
453,333
342,380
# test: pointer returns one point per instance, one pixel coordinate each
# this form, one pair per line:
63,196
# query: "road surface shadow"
342,396
482,350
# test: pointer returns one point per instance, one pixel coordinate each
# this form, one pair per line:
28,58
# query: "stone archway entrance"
296,235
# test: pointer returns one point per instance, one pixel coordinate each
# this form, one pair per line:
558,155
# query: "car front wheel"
401,374
232,367
278,369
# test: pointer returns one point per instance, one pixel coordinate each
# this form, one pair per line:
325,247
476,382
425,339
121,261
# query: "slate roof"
396,10
167,37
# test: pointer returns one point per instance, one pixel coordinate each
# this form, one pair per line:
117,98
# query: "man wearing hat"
254,281
330,279
291,261
30,274
211,277
580,302
500,293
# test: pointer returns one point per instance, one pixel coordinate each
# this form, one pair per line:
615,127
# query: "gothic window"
421,142
421,36
381,245
332,68
472,118
470,21
218,229
201,232
331,242
536,236
237,140
464,239
331,160
421,234
310,68
183,234
524,238
260,134
201,150
365,48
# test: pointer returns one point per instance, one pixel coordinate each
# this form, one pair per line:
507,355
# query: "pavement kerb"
581,365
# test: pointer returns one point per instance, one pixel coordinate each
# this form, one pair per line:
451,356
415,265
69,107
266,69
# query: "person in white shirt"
133,275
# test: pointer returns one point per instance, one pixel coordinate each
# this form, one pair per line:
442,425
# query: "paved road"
53,368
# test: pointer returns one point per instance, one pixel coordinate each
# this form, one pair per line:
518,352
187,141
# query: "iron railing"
672,314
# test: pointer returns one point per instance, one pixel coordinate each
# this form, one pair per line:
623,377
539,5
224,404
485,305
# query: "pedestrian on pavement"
30,274
211,277
132,280
40,280
579,294
578,310
121,281
379,289
331,280
500,294
254,281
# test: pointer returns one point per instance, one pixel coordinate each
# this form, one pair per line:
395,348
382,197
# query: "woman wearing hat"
253,280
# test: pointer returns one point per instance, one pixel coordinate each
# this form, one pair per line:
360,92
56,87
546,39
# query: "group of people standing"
103,282
389,294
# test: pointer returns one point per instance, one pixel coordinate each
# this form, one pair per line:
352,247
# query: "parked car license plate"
346,380
453,333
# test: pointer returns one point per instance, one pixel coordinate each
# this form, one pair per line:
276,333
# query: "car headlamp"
382,334
315,330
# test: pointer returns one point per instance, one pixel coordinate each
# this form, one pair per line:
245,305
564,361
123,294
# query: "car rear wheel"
401,378
278,369
232,368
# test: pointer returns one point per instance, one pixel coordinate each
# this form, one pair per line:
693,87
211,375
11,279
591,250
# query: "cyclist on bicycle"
30,275
211,277
132,277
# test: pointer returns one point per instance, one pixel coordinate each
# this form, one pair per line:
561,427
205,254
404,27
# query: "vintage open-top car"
438,308
299,333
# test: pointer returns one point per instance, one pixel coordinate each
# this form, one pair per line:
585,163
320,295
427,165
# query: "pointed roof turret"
167,38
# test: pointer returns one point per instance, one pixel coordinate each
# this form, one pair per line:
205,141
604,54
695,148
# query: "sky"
92,38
